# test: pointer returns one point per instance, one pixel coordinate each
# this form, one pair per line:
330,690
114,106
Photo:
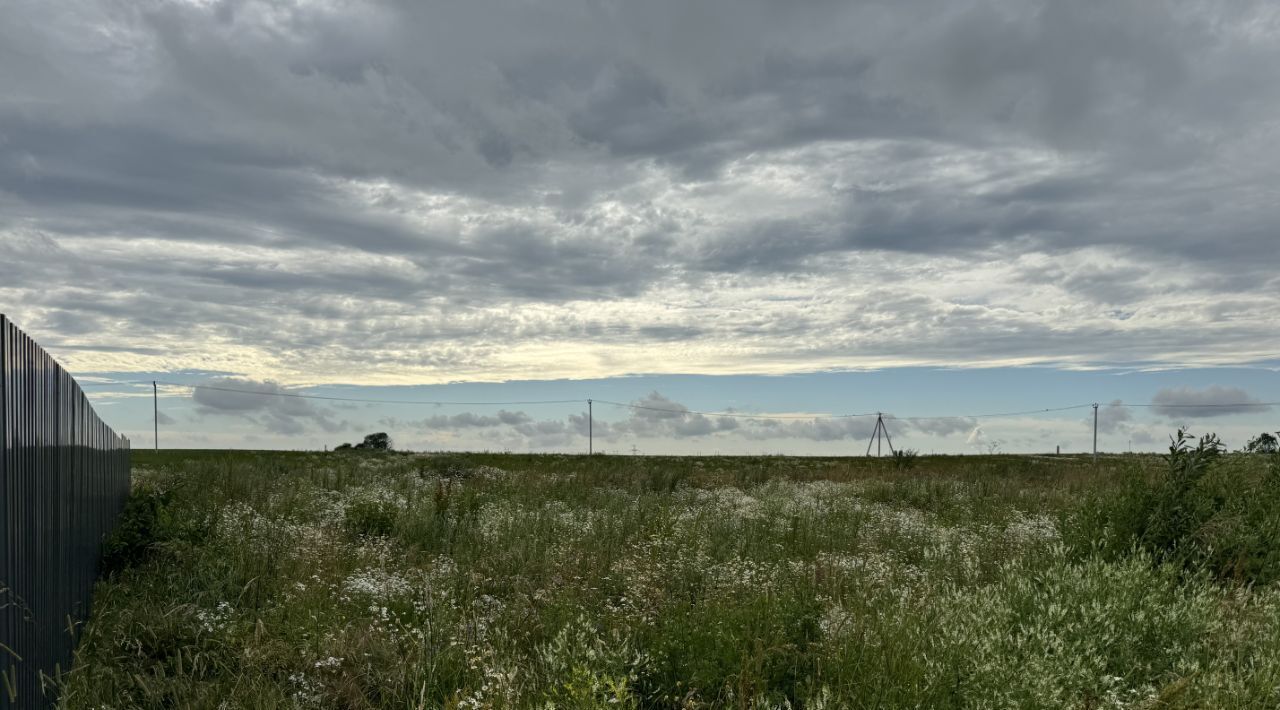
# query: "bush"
905,459
1204,510
144,522
1263,443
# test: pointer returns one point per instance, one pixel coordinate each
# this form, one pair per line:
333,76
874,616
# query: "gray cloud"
415,191
943,426
471,420
1214,401
261,404
813,429
658,416
1114,417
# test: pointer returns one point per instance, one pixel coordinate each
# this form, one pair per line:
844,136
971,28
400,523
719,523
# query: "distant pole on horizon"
155,413
590,429
1095,432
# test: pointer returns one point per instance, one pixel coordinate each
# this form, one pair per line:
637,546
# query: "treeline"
372,442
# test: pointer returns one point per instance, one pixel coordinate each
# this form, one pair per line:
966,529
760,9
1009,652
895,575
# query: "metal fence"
64,476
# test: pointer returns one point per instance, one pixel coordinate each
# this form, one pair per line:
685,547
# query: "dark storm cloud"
402,184
1214,401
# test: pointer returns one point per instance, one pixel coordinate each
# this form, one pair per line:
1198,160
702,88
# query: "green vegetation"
1264,443
389,580
372,442
1202,510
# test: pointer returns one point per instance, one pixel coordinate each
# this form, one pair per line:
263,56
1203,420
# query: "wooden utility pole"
155,412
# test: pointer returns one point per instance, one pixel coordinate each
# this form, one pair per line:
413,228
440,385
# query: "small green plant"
1188,463
443,496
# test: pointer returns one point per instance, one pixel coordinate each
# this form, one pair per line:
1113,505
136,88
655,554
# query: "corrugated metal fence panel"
64,476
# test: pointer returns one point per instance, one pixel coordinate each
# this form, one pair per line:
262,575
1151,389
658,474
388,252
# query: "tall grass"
392,581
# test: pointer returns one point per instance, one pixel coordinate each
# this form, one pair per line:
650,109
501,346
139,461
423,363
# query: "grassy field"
294,580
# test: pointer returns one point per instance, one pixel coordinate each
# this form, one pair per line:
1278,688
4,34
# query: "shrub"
1263,443
1203,510
144,522
905,459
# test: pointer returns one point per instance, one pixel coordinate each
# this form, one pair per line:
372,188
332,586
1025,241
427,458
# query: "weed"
905,459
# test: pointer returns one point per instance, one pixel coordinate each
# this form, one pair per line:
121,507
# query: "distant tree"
342,447
375,442
1263,443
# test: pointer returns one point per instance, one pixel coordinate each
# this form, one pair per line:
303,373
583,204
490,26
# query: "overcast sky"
418,193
